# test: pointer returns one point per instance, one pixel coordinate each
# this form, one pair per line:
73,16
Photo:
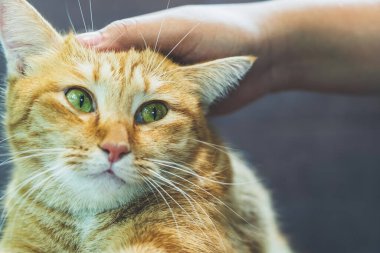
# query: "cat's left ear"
24,33
214,79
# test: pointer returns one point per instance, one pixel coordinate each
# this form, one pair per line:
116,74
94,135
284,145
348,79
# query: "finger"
118,35
156,31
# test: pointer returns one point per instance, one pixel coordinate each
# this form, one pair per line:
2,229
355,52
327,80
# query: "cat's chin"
98,192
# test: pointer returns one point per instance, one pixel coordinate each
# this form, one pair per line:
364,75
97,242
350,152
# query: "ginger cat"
113,153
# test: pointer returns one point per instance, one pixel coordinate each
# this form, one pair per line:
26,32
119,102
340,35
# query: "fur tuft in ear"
216,78
24,33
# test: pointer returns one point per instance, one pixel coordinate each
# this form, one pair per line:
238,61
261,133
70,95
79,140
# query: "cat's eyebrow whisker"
92,20
143,38
151,64
175,46
81,13
160,30
69,17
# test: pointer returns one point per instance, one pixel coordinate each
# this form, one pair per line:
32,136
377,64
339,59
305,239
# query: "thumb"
162,31
119,35
157,30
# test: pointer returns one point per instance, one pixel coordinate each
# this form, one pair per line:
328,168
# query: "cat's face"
100,127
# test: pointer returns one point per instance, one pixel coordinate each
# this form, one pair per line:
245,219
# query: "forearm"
319,45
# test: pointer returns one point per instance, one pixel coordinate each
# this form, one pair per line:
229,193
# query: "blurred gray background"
319,154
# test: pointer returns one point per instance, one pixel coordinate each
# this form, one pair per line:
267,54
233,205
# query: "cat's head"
94,127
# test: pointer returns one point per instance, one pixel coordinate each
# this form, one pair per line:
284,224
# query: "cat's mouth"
110,173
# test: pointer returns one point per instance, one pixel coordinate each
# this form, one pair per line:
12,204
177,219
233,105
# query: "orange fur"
59,200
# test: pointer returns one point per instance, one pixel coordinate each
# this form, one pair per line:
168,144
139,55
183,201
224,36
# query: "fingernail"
90,39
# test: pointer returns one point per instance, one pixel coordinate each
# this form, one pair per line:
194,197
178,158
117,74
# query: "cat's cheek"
162,139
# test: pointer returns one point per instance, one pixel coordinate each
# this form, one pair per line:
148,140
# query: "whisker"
210,194
150,188
160,30
32,151
190,189
17,159
69,17
45,188
192,172
6,139
152,183
220,148
187,197
172,184
143,38
167,181
24,198
81,12
24,182
179,42
92,20
172,163
38,174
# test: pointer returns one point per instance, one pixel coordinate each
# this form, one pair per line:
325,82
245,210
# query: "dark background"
319,154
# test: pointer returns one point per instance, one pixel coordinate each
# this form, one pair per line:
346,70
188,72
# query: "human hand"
324,46
192,34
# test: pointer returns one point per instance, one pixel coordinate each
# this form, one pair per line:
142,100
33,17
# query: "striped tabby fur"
179,190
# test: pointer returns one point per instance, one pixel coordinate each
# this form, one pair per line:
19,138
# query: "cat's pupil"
154,113
81,100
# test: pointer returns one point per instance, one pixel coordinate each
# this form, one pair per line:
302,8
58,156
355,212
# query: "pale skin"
316,45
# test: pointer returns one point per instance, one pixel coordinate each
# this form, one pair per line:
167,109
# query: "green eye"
151,112
80,99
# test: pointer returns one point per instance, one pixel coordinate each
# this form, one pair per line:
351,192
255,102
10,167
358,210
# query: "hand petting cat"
324,46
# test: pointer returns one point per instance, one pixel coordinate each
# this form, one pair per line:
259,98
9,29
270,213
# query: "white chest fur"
86,224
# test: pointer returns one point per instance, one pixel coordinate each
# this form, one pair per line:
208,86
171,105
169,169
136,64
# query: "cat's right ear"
24,33
216,78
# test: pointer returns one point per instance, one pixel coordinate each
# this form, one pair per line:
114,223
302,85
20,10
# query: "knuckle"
118,30
121,26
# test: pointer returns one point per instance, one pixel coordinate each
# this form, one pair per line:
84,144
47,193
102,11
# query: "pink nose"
115,152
